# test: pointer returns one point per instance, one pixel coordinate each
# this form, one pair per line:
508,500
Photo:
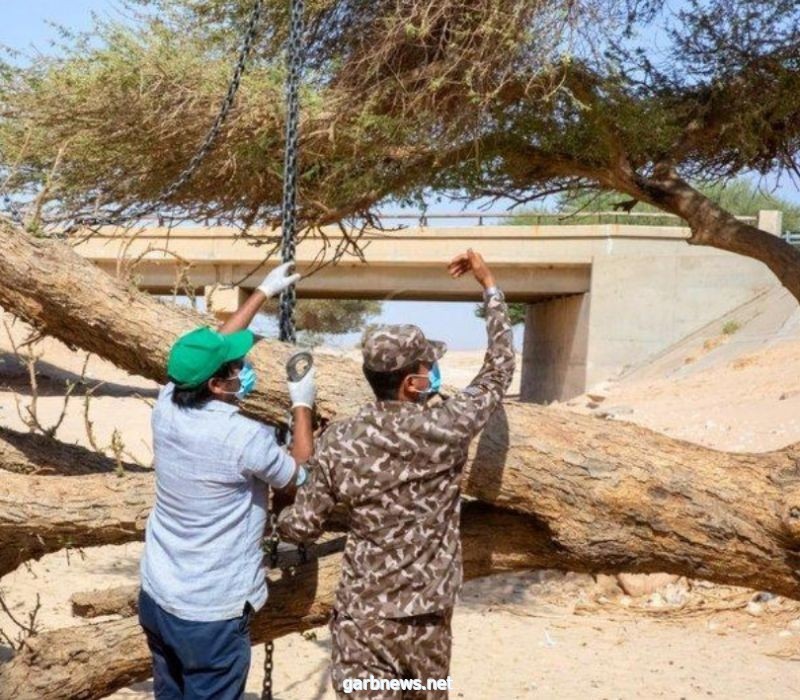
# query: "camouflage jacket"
397,468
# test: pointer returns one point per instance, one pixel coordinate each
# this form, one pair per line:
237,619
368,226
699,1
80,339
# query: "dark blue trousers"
196,660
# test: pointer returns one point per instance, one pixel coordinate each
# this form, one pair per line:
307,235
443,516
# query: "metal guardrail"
481,217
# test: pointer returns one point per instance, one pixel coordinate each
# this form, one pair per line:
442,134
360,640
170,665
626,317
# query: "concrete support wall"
555,349
645,297
643,304
770,221
223,301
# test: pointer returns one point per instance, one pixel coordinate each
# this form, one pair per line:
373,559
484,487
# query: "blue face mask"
247,381
434,383
435,378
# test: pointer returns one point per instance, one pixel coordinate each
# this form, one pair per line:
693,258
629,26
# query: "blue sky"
25,22
26,25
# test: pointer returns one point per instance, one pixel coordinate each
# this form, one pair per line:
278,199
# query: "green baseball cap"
197,355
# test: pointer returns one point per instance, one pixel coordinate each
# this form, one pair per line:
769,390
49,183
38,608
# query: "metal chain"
271,546
289,223
208,142
266,687
289,226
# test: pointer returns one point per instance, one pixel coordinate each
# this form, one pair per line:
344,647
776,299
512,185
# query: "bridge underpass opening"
551,342
649,289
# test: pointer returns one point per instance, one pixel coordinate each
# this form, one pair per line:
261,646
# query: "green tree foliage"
334,316
475,98
516,312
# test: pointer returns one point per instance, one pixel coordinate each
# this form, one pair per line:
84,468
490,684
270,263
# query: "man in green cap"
202,573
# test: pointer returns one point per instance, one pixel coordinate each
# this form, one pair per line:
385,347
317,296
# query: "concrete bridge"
600,296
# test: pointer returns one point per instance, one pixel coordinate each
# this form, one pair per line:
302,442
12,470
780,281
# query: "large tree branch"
51,287
41,514
710,224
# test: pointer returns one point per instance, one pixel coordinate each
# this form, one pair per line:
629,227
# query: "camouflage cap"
389,348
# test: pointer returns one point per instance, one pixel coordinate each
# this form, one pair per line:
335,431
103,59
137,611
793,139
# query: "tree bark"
41,514
91,661
111,601
616,496
34,520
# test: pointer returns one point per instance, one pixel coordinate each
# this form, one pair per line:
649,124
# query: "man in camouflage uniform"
397,466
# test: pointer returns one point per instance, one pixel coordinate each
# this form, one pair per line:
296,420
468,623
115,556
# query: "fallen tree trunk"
93,660
615,496
41,514
51,287
619,497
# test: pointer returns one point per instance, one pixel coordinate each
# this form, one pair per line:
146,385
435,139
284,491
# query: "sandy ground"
734,386
530,634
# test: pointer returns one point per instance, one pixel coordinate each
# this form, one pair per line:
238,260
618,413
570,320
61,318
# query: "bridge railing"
481,217
488,217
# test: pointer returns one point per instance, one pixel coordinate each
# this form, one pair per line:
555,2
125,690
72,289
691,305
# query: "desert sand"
530,634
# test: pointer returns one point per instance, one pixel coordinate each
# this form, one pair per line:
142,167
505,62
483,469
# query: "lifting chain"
289,225
269,647
289,222
207,144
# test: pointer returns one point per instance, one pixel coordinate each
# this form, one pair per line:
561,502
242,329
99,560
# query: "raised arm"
302,392
274,283
468,411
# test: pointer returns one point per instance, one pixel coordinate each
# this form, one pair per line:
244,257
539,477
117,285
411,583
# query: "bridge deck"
533,262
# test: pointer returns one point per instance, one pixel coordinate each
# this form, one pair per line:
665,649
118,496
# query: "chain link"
289,218
271,547
208,142
266,686
288,233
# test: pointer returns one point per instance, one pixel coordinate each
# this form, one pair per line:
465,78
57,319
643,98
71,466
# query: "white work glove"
304,392
278,280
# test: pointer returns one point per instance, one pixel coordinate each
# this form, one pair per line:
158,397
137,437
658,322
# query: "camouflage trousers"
408,648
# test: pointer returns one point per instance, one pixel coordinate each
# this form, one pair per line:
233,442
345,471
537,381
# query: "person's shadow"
484,477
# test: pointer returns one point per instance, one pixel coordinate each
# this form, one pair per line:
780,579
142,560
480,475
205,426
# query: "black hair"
385,385
196,397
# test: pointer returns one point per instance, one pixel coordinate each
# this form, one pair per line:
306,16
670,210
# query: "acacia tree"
507,98
514,98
